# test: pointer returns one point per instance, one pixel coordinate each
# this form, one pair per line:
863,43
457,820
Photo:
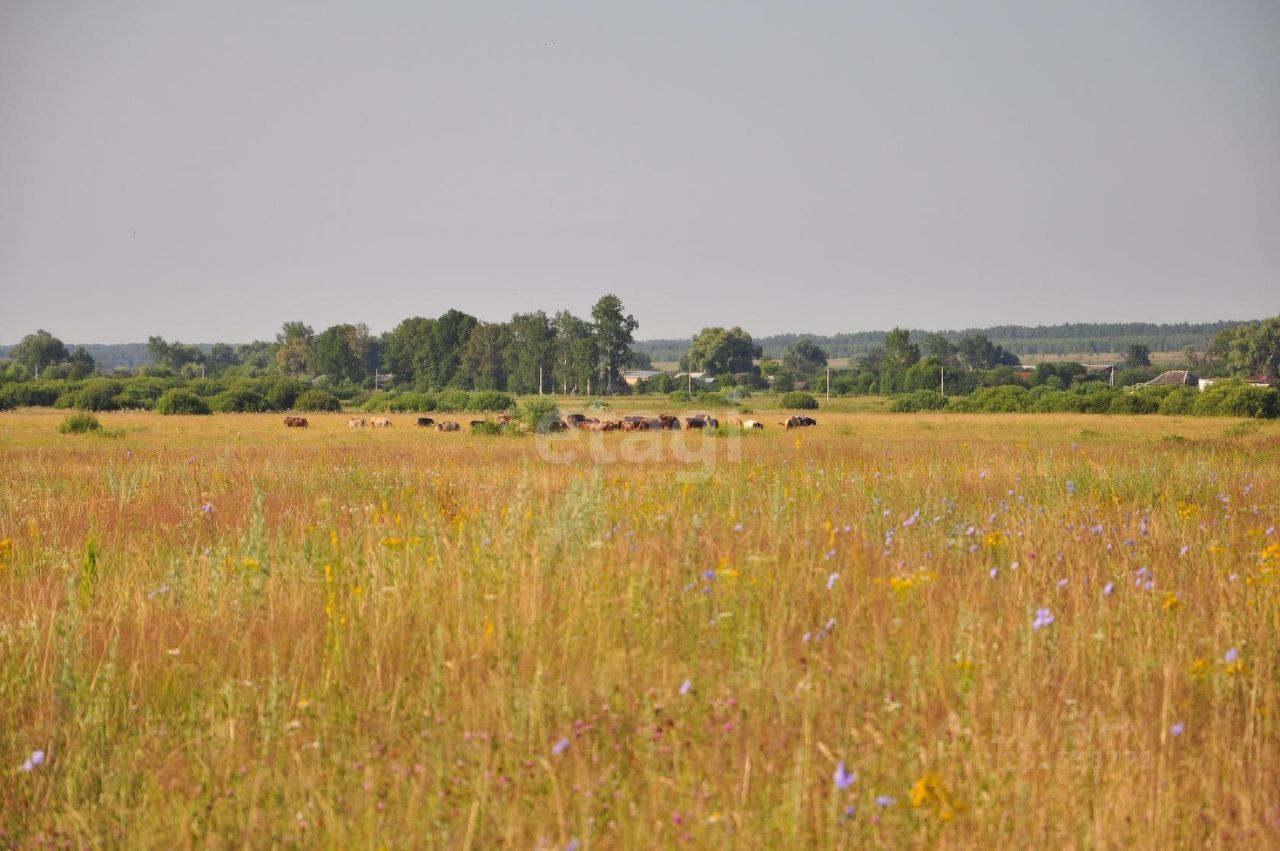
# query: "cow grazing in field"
447,426
426,422
380,422
666,421
652,424
799,422
295,422
634,424
356,422
750,424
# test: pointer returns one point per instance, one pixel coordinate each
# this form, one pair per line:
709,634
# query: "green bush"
679,397
141,392
1005,399
1237,399
489,428
281,394
317,400
98,394
1179,401
239,400
798,401
30,394
451,401
920,400
206,387
539,414
489,400
80,423
401,403
181,401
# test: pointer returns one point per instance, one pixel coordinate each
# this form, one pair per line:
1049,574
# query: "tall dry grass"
220,632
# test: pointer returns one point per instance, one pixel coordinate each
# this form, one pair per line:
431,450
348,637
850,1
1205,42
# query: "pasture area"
886,631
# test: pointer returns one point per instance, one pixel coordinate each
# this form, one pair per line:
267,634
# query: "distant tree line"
529,353
1069,338
534,352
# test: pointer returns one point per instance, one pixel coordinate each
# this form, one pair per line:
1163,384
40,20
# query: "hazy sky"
208,170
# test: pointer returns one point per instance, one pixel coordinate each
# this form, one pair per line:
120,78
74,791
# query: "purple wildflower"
207,508
709,573
1071,487
885,801
850,811
1062,583
1185,549
829,554
1044,618
910,521
1108,588
33,762
686,686
1177,729
560,747
831,581
995,571
1231,656
844,778
737,527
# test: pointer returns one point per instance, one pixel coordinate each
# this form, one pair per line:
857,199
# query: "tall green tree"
448,339
338,352
576,354
173,355
293,352
613,333
530,352
481,366
39,350
804,357
899,351
1137,355
717,351
408,353
1255,349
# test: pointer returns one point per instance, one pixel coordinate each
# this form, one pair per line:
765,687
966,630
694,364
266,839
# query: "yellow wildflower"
1171,601
929,791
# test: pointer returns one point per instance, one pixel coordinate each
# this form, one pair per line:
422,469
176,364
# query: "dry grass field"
886,631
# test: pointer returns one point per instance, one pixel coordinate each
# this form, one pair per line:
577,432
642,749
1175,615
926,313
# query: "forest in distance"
423,359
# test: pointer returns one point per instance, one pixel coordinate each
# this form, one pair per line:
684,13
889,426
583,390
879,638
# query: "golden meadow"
886,631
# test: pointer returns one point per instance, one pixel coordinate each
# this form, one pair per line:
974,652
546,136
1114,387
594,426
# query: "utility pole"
689,375
828,382
943,390
539,380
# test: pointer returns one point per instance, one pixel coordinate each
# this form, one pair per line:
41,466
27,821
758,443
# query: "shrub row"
1223,399
449,401
245,395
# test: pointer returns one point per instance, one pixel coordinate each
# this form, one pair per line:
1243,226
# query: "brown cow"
799,422
669,422
295,422
448,426
356,422
380,422
426,422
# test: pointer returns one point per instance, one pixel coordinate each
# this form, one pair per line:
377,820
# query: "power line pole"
539,380
943,391
828,382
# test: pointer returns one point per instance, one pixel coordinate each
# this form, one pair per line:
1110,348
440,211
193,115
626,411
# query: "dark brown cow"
669,422
426,422
799,422
295,422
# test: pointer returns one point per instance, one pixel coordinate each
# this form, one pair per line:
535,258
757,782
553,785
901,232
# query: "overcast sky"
207,170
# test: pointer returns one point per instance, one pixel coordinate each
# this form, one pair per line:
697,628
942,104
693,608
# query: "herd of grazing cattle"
580,422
